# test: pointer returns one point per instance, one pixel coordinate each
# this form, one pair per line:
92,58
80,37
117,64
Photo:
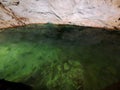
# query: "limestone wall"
94,13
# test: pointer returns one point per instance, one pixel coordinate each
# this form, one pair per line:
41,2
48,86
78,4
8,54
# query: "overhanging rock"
94,13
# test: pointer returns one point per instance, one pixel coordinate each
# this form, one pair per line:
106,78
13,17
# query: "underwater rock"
8,85
66,66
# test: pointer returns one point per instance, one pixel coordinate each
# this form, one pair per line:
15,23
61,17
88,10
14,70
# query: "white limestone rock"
94,13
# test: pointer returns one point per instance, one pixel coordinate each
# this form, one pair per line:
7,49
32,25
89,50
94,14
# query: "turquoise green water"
53,57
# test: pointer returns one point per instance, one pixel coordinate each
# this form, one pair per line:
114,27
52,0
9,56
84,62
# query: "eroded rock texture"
95,13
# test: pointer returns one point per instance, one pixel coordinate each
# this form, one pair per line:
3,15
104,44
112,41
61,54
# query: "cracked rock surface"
94,13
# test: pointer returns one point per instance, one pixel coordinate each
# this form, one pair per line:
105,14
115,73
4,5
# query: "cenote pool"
60,57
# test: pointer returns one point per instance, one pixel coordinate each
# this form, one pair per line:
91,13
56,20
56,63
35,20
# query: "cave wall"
94,13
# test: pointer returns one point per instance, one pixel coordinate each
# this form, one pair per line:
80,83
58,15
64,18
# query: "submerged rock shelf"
60,57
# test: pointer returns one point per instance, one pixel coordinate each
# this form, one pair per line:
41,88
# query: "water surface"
60,57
